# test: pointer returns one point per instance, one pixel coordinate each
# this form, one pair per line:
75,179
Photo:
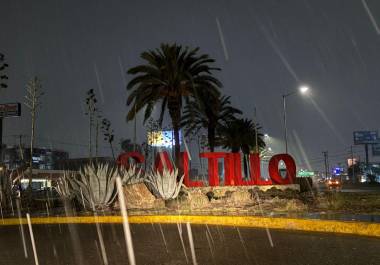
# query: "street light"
303,90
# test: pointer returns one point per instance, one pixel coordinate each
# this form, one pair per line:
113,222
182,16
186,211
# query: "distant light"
266,135
269,148
304,89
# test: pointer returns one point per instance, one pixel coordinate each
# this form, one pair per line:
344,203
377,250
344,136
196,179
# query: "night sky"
270,48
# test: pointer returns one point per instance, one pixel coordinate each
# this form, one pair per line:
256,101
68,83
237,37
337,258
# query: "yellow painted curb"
311,225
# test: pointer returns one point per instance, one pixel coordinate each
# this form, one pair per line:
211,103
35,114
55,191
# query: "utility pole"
366,155
353,166
326,156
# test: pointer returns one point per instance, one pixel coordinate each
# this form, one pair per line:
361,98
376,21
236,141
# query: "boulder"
138,196
198,200
239,198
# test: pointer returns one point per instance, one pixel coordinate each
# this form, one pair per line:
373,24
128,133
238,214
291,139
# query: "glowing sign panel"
161,138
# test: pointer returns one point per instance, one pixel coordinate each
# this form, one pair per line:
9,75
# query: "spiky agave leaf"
64,186
131,175
97,183
165,185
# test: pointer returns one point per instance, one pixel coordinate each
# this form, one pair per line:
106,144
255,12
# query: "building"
43,158
75,164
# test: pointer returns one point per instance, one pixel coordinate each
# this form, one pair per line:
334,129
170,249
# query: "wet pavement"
161,244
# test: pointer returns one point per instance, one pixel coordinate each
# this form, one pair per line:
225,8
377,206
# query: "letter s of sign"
290,169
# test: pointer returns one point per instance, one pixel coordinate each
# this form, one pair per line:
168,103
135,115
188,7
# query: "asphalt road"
79,244
353,188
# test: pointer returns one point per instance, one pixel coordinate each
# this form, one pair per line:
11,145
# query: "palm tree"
3,76
210,113
171,76
241,134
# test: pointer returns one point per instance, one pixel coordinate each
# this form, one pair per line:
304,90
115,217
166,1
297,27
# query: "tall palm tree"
241,134
209,112
171,76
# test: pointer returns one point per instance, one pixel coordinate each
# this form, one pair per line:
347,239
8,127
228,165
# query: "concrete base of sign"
224,189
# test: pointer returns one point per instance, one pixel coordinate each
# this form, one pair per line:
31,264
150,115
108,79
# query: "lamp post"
302,90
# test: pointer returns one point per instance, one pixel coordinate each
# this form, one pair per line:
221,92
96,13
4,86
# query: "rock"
239,198
138,196
198,200
181,203
295,205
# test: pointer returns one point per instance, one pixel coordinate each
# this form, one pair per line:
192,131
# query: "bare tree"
4,180
91,113
33,103
98,117
108,134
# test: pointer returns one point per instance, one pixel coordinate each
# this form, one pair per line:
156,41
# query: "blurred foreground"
161,244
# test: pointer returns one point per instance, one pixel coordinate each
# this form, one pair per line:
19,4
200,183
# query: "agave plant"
64,188
131,175
165,184
96,185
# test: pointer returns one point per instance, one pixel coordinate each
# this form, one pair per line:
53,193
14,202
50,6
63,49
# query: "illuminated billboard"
365,137
163,138
10,110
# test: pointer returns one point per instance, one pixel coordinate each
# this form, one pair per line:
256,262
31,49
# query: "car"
334,184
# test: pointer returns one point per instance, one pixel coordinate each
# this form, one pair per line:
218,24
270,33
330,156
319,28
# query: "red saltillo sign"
232,168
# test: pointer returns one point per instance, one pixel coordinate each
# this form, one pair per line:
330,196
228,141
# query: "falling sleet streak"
122,72
210,246
266,225
127,230
222,39
243,244
191,242
179,226
163,238
278,52
32,239
373,20
100,236
99,83
21,228
302,150
327,120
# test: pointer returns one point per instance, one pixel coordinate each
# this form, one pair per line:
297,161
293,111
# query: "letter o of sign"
290,169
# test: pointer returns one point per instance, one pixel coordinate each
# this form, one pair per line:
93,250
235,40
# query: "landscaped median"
328,226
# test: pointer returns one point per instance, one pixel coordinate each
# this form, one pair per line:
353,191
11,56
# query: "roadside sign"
365,137
10,110
305,173
376,149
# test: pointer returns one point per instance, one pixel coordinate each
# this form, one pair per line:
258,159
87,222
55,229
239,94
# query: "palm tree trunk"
175,114
177,147
211,137
246,165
